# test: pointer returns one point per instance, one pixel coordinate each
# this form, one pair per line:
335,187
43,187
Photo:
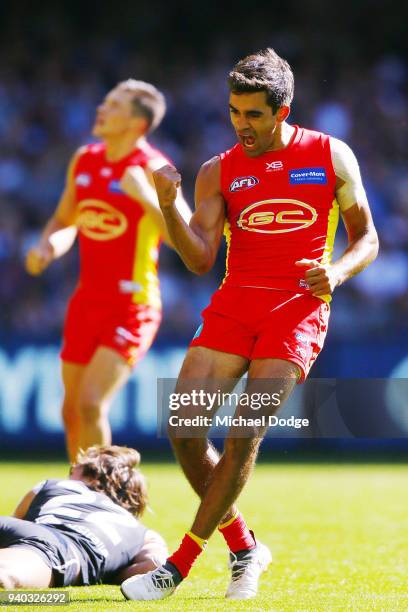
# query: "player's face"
114,117
254,122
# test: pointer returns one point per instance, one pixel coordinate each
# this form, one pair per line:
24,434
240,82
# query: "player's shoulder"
344,161
309,136
151,156
93,149
48,486
86,153
211,163
233,151
210,168
64,484
150,151
340,148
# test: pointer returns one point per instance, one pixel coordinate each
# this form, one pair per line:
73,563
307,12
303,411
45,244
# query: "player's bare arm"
60,232
138,183
152,554
24,504
198,242
362,247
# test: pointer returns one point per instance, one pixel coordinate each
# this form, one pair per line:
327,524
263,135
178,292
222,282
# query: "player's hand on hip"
321,278
38,259
167,181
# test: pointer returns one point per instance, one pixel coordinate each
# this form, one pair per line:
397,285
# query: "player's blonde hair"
147,101
113,470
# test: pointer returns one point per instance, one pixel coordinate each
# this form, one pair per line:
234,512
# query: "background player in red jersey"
279,193
81,530
110,201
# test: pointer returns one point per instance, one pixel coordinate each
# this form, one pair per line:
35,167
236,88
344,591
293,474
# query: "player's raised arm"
362,246
198,242
138,184
60,232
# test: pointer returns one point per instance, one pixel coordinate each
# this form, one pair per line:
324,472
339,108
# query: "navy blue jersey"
107,534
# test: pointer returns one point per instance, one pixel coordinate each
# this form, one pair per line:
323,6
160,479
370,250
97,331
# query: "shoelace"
163,579
239,566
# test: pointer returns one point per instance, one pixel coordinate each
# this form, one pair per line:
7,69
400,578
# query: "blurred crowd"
47,104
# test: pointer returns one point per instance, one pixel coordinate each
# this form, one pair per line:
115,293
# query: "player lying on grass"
82,530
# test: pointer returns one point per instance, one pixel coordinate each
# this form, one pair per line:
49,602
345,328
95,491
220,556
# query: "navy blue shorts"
57,550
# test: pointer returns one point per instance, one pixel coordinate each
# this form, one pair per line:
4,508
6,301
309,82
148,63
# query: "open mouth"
247,141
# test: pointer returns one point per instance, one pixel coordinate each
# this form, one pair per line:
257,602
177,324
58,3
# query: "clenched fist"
167,180
321,278
38,259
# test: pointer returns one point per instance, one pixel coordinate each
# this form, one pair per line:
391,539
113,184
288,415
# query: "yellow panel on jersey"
331,233
227,234
145,263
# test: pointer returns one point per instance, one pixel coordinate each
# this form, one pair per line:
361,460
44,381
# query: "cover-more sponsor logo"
241,183
277,216
303,176
100,221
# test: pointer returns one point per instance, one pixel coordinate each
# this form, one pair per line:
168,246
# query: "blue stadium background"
57,62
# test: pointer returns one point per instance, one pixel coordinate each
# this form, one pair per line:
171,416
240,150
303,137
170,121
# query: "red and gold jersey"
119,242
281,207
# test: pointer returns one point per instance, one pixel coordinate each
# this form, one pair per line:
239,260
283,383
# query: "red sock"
237,535
186,554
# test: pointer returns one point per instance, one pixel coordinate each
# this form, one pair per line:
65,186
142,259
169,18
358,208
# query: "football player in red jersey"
111,203
278,194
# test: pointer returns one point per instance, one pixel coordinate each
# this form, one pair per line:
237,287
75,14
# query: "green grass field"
338,534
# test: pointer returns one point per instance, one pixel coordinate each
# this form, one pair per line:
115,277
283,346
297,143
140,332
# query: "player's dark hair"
264,71
147,101
113,470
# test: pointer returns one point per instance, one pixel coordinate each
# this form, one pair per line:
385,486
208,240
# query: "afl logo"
243,182
277,216
100,221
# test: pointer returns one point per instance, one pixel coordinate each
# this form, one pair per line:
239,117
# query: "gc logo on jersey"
277,216
100,221
241,183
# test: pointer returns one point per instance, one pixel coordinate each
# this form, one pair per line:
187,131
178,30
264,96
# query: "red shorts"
265,323
127,328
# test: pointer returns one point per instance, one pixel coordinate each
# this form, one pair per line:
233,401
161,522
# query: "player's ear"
140,123
283,113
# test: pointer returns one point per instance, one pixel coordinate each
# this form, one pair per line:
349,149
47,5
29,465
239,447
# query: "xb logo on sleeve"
241,183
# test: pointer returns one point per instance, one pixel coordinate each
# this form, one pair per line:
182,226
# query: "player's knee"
184,446
69,414
90,410
240,449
